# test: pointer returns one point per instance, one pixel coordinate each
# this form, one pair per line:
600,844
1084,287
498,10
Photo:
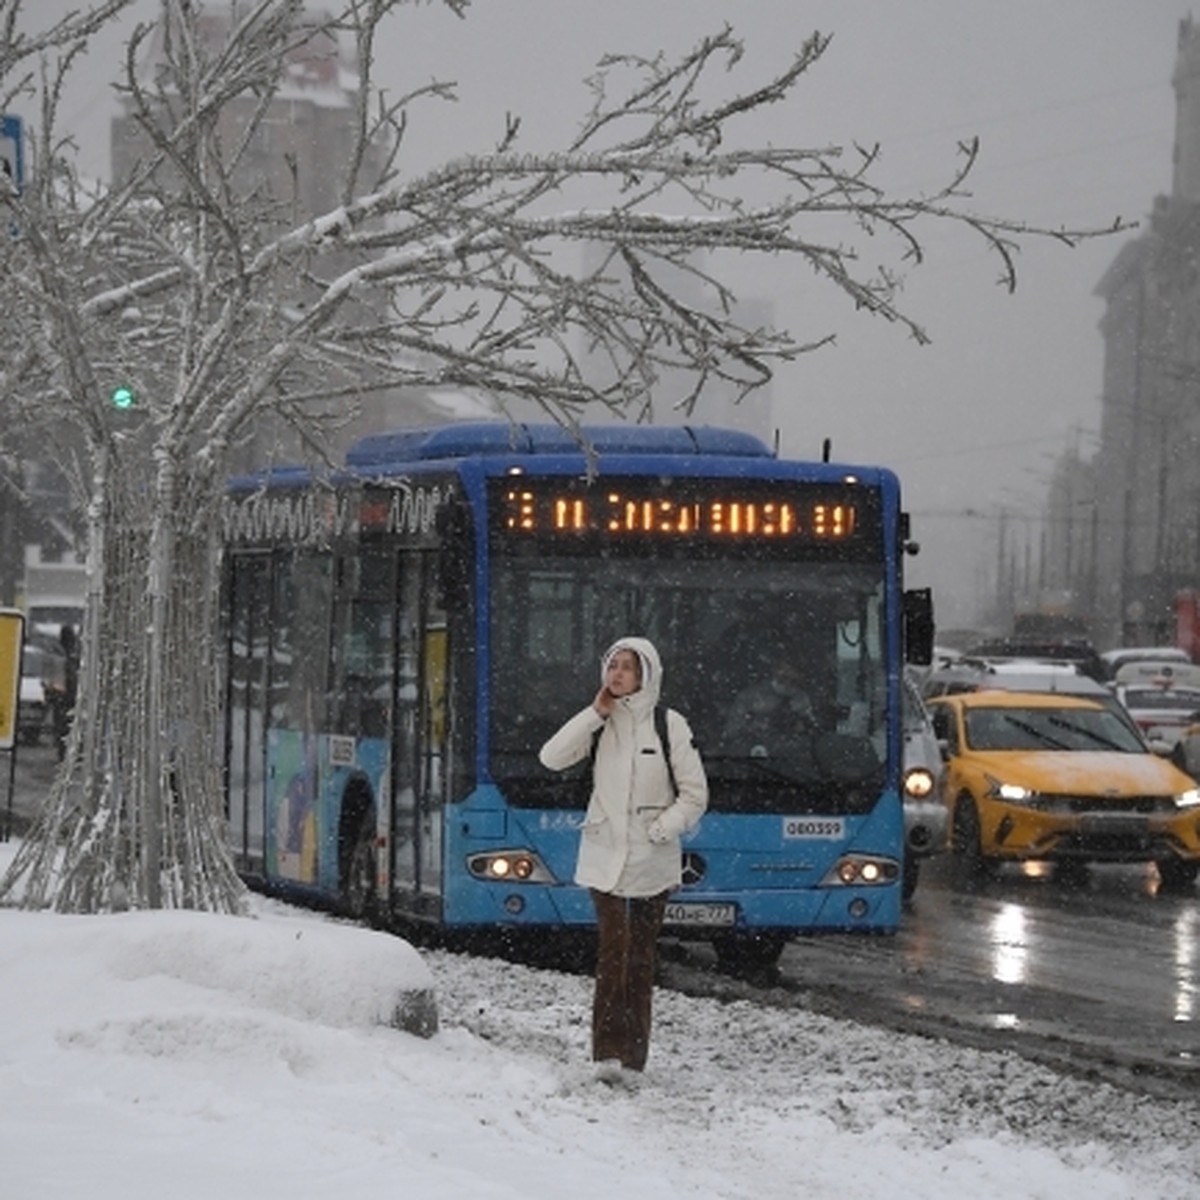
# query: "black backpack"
664,740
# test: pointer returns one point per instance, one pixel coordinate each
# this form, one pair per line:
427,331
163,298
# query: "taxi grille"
1128,804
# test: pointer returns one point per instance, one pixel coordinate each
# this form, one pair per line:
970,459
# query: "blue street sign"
12,150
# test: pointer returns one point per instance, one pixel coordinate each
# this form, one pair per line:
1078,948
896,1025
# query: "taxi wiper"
1040,734
1091,734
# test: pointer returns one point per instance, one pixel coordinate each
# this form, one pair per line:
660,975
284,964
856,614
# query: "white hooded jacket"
629,844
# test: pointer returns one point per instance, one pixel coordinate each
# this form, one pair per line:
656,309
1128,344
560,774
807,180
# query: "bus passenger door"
433,773
246,706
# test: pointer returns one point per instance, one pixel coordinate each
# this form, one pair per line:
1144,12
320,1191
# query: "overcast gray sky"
1073,102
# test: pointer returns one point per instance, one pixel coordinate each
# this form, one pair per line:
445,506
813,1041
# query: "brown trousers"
626,953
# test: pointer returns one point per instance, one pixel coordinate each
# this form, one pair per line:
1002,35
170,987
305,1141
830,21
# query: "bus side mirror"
918,626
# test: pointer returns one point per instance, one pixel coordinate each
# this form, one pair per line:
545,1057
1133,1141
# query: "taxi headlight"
918,783
1014,793
1188,799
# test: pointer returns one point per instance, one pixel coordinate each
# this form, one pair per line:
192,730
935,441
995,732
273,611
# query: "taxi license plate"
1115,824
700,914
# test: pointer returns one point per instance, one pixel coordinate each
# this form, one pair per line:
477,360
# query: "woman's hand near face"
603,702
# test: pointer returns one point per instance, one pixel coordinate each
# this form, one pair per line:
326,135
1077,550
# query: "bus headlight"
918,783
858,870
509,866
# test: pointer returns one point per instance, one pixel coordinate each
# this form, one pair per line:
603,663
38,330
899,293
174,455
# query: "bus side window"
361,676
301,604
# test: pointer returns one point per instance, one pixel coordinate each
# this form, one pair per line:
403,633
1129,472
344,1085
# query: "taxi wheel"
1174,874
965,839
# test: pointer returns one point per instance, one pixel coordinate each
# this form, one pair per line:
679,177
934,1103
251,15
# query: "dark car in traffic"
43,677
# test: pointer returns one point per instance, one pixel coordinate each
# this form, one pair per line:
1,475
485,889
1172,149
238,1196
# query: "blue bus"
403,634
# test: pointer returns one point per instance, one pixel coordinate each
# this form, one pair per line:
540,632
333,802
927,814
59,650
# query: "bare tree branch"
574,280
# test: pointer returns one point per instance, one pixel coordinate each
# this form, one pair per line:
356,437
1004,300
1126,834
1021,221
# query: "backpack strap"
664,740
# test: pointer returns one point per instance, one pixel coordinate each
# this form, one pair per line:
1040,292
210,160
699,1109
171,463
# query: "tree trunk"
134,818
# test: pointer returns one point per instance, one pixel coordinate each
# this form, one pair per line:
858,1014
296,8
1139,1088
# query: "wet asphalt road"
1097,974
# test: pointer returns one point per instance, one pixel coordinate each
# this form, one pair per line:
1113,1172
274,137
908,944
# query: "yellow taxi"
1060,778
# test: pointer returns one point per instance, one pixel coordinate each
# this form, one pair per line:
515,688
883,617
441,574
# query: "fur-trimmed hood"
648,695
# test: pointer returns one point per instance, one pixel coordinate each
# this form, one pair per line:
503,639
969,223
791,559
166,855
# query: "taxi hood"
1085,772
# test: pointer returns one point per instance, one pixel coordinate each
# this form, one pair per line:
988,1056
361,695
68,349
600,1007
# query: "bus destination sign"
710,511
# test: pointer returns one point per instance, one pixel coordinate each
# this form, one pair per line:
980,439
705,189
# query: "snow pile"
309,971
196,1056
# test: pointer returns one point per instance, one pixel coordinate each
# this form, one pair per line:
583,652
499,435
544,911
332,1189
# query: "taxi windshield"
1045,728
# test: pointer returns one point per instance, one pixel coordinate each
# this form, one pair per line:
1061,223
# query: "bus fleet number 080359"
809,828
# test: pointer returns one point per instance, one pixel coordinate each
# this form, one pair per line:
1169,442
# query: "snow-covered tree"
190,281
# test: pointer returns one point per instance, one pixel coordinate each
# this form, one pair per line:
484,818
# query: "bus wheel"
966,836
358,871
744,954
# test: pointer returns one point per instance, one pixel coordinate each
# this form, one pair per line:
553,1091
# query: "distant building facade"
1124,528
299,151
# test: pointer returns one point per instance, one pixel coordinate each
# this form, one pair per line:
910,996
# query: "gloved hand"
657,833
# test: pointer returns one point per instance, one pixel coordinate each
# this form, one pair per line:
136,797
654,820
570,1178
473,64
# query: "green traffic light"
122,398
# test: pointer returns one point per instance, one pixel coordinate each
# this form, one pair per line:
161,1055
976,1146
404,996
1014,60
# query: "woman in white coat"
629,850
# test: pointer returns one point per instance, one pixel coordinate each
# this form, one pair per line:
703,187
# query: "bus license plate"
701,914
822,829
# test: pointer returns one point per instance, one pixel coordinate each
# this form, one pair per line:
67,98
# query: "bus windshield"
778,666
